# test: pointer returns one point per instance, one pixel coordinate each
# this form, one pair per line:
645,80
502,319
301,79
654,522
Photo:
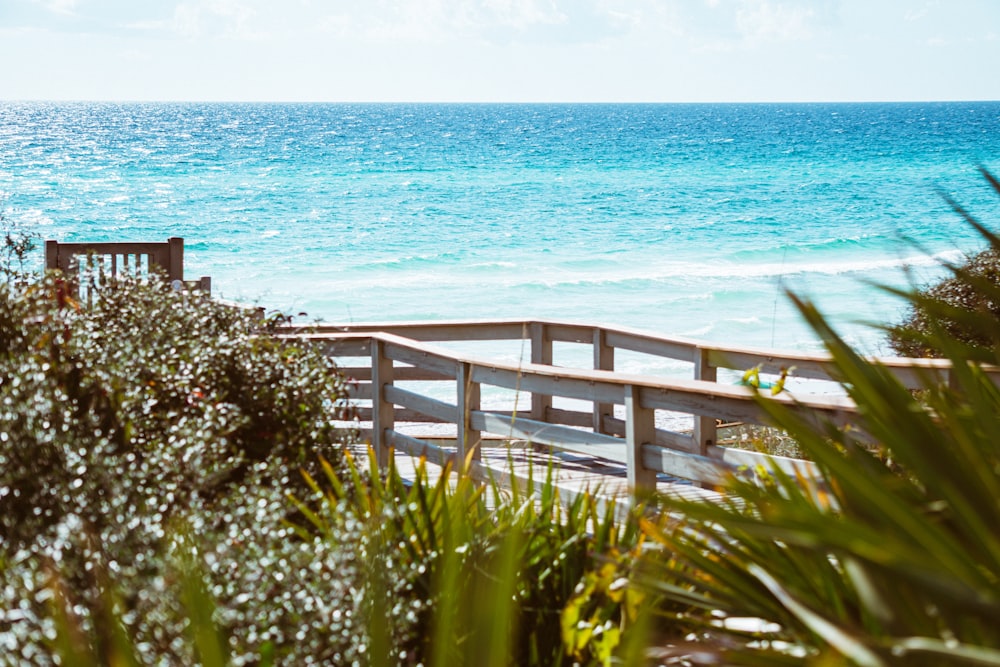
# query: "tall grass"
490,571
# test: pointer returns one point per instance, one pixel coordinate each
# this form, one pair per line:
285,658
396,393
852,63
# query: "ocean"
682,219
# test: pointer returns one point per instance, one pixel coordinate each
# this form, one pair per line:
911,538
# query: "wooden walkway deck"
406,379
571,473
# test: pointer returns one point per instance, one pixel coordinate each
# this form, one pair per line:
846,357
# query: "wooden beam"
542,433
439,410
468,399
604,360
175,261
697,468
541,354
383,419
640,430
704,433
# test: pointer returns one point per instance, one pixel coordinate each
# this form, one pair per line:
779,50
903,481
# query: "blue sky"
500,50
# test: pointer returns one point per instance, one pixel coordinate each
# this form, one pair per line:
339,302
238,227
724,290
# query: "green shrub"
150,447
970,290
119,423
964,307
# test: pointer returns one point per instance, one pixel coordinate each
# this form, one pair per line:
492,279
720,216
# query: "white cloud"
919,13
215,18
437,20
67,7
768,21
521,14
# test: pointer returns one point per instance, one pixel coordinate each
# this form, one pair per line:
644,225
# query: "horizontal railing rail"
379,357
397,355
400,352
913,373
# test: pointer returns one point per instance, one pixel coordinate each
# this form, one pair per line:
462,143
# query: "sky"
500,50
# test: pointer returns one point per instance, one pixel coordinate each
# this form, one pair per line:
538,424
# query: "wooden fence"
110,260
382,356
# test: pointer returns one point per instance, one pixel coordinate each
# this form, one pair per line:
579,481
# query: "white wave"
425,272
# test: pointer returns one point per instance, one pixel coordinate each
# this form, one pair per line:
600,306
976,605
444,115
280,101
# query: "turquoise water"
686,220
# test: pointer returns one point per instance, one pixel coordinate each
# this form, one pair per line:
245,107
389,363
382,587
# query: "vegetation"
958,307
461,573
172,492
17,243
894,559
124,425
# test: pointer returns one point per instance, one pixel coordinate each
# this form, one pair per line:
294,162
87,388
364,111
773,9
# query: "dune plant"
17,244
471,573
119,419
964,306
893,560
382,571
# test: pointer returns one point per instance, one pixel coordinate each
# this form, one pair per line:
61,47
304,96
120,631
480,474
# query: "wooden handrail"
705,356
118,258
643,447
405,351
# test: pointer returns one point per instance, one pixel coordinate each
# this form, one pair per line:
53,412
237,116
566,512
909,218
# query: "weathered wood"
640,430
567,332
541,354
468,398
174,258
383,418
570,417
604,360
649,344
403,374
680,441
419,448
645,449
543,433
423,405
410,352
808,366
686,465
440,331
135,259
749,459
549,381
704,434
168,256
403,415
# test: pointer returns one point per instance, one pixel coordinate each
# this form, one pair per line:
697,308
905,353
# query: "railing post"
640,429
604,360
468,439
705,431
383,411
175,269
51,254
541,353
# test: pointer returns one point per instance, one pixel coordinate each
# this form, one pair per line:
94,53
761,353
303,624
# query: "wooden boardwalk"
408,385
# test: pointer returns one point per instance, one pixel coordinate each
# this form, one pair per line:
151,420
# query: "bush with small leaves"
962,309
119,422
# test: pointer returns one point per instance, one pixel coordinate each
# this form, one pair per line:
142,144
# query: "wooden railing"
115,259
403,353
